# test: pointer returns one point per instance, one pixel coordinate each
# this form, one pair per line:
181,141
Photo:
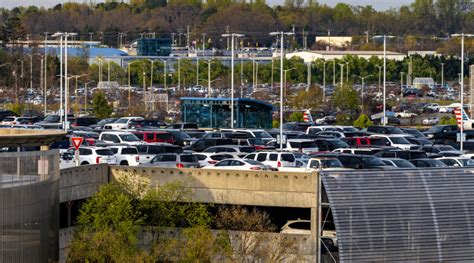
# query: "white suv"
122,123
274,159
126,155
94,155
120,137
396,140
297,145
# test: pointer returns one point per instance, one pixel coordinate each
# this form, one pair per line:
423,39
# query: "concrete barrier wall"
260,188
81,182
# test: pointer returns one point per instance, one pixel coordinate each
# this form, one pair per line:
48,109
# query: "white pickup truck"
405,114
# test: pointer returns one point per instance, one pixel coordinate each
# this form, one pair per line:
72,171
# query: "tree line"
195,21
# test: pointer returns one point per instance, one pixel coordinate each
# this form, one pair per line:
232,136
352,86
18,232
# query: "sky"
377,4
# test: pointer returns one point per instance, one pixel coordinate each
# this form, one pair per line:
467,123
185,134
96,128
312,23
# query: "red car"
155,136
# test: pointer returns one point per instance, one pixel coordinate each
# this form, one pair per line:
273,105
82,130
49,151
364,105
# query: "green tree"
363,122
345,98
446,120
296,117
101,107
107,228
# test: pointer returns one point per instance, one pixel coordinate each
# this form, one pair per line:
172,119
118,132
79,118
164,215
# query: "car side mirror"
456,165
445,130
387,143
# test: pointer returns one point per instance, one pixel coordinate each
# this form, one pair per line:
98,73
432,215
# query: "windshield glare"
129,138
372,161
262,134
331,163
399,140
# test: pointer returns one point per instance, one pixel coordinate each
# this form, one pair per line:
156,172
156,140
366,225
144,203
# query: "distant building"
153,47
424,53
418,83
215,113
309,56
333,41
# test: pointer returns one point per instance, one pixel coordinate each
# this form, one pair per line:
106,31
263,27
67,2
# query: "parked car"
398,162
438,150
183,126
431,121
396,140
95,155
122,123
297,145
148,151
384,130
174,160
206,159
362,162
428,163
202,144
330,144
324,163
154,136
457,161
83,121
126,155
239,164
6,113
402,154
236,150
444,134
274,159
120,137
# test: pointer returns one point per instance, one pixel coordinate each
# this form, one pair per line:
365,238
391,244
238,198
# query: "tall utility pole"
384,76
203,42
308,77
45,68
232,36
380,76
179,73
197,71
461,83
342,73
108,71
334,72
442,75
209,78
281,34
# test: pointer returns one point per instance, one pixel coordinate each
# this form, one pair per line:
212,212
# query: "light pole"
197,71
129,84
256,73
273,61
85,95
108,71
324,79
362,90
347,71
208,62
342,73
401,86
282,35
75,90
60,35
164,82
179,73
442,75
151,77
232,36
380,76
334,72
384,76
461,82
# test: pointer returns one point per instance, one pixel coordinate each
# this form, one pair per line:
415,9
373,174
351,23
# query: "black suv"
384,130
362,162
202,144
84,121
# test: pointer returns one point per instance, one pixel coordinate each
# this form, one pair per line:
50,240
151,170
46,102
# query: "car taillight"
278,164
97,159
259,148
255,168
212,162
137,158
14,122
179,165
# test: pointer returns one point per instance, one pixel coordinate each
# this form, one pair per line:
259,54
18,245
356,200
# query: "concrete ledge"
81,182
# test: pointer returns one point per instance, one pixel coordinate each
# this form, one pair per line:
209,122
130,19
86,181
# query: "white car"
431,121
122,123
208,159
236,150
126,155
405,114
239,164
120,137
457,161
12,120
274,159
95,155
396,140
297,145
148,151
316,129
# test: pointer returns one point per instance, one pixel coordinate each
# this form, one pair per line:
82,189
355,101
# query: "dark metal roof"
26,137
236,100
403,215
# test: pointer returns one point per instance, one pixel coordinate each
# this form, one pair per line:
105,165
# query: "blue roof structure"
226,99
85,51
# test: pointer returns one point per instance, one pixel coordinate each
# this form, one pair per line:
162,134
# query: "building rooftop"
29,137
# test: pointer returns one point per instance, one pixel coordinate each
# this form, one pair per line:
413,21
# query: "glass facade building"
29,206
215,113
154,47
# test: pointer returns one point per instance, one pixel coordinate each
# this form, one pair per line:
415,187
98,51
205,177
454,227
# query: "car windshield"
122,121
129,138
331,163
52,118
415,133
395,130
253,162
435,129
467,162
437,163
349,129
9,119
129,151
339,144
447,148
104,152
189,158
372,161
399,140
262,134
308,144
247,149
403,163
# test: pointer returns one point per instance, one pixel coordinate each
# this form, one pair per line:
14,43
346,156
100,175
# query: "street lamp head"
462,35
57,34
275,33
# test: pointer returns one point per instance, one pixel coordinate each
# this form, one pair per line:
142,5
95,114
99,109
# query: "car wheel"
84,163
124,163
